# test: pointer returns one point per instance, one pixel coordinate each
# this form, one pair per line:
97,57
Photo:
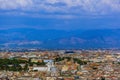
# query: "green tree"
26,67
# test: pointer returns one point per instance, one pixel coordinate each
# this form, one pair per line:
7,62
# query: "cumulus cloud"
14,4
63,6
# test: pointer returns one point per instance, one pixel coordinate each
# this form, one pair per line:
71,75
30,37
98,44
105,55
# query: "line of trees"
16,64
69,58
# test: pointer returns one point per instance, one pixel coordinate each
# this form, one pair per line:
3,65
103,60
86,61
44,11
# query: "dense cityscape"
60,65
59,39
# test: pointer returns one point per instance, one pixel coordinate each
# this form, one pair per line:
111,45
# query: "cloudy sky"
60,14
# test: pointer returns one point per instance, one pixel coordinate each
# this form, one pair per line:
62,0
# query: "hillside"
59,39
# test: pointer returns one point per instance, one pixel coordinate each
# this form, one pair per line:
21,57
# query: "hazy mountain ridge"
53,39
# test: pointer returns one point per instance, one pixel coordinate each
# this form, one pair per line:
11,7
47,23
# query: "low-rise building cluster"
60,65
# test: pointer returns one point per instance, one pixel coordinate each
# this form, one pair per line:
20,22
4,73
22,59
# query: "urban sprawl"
60,65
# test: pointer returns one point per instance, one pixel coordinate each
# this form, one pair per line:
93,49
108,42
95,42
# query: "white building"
47,68
41,68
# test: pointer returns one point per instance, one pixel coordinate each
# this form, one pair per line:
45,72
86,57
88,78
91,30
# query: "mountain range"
59,39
